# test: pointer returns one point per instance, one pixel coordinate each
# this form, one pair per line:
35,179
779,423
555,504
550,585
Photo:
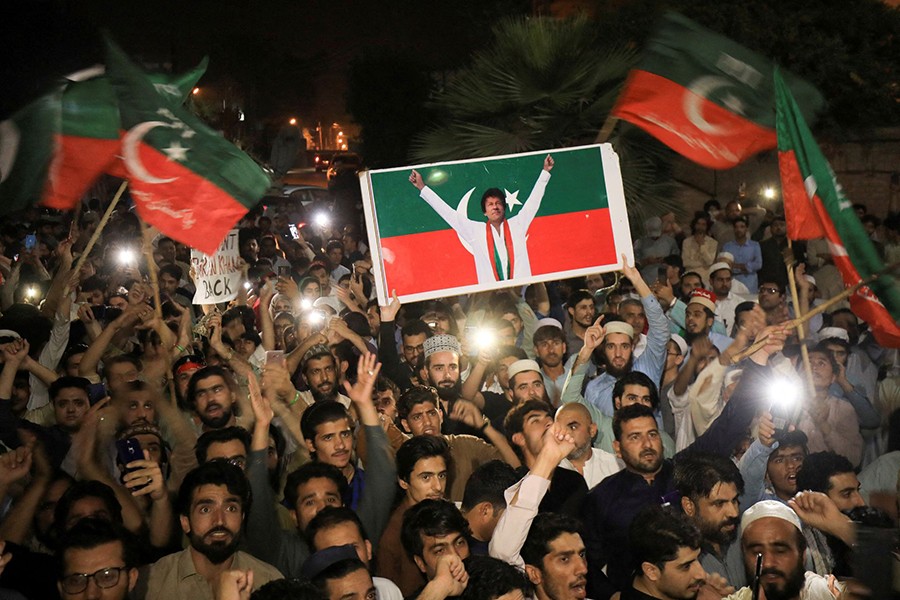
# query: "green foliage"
546,83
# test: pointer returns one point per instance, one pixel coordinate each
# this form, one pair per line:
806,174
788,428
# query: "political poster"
217,276
474,225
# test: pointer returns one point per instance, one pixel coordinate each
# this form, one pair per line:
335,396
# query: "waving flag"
815,206
706,96
88,142
186,179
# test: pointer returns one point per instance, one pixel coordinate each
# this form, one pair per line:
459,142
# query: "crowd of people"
602,437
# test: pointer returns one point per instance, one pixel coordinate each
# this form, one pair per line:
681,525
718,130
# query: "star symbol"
512,199
176,152
733,103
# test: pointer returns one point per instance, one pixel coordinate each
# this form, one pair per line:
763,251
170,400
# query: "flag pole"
608,126
152,269
798,310
96,236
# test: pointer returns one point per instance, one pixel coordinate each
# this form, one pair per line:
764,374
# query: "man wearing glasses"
97,561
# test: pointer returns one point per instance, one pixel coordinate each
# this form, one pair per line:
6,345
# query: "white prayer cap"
9,333
833,332
811,279
618,327
526,364
440,343
725,256
549,321
329,301
769,508
679,341
719,266
653,226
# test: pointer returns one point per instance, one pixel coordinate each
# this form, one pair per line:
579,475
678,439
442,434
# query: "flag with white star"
706,96
186,179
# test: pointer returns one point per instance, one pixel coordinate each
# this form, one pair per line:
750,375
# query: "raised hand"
775,336
416,180
548,163
262,408
234,585
558,443
468,413
450,575
366,374
389,312
145,478
593,337
15,464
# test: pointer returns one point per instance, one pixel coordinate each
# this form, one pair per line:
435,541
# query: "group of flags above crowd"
708,98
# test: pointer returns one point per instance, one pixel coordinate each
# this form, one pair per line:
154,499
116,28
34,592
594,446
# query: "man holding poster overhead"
498,246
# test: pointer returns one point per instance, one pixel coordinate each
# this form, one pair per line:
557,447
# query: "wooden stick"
755,346
152,269
607,129
801,330
90,245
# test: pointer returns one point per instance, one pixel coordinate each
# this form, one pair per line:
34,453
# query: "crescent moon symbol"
130,144
9,147
462,211
699,90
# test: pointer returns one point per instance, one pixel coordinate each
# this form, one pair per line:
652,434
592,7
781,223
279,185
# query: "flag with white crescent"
706,96
186,179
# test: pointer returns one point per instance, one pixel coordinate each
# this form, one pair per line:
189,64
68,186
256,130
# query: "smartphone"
294,232
275,357
30,241
96,393
284,271
662,274
782,417
99,311
127,451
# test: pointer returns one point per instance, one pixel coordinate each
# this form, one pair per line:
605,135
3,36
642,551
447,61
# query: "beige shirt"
174,577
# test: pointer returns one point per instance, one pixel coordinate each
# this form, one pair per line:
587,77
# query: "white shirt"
500,246
598,467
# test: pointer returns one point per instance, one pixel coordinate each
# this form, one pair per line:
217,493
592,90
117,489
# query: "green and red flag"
186,179
26,149
568,221
88,142
706,96
815,206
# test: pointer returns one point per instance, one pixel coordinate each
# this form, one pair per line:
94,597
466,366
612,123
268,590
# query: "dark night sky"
44,39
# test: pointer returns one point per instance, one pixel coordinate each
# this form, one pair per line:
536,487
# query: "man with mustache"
711,487
211,394
617,347
327,429
666,557
772,529
322,374
211,503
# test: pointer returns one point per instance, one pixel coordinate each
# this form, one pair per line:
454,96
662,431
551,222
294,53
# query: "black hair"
697,217
636,378
287,589
67,381
331,516
327,411
548,332
822,348
91,532
336,570
628,413
416,327
121,359
487,483
431,518
215,436
578,296
313,470
546,528
491,578
334,245
818,468
492,193
385,384
174,271
791,439
412,397
88,488
693,274
514,422
656,534
742,219
510,351
216,472
697,473
416,448
710,204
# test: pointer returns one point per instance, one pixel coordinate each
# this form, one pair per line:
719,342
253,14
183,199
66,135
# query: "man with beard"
618,345
212,502
720,280
666,550
211,395
420,415
321,372
593,464
611,506
710,487
550,348
772,300
699,318
773,530
412,339
581,310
